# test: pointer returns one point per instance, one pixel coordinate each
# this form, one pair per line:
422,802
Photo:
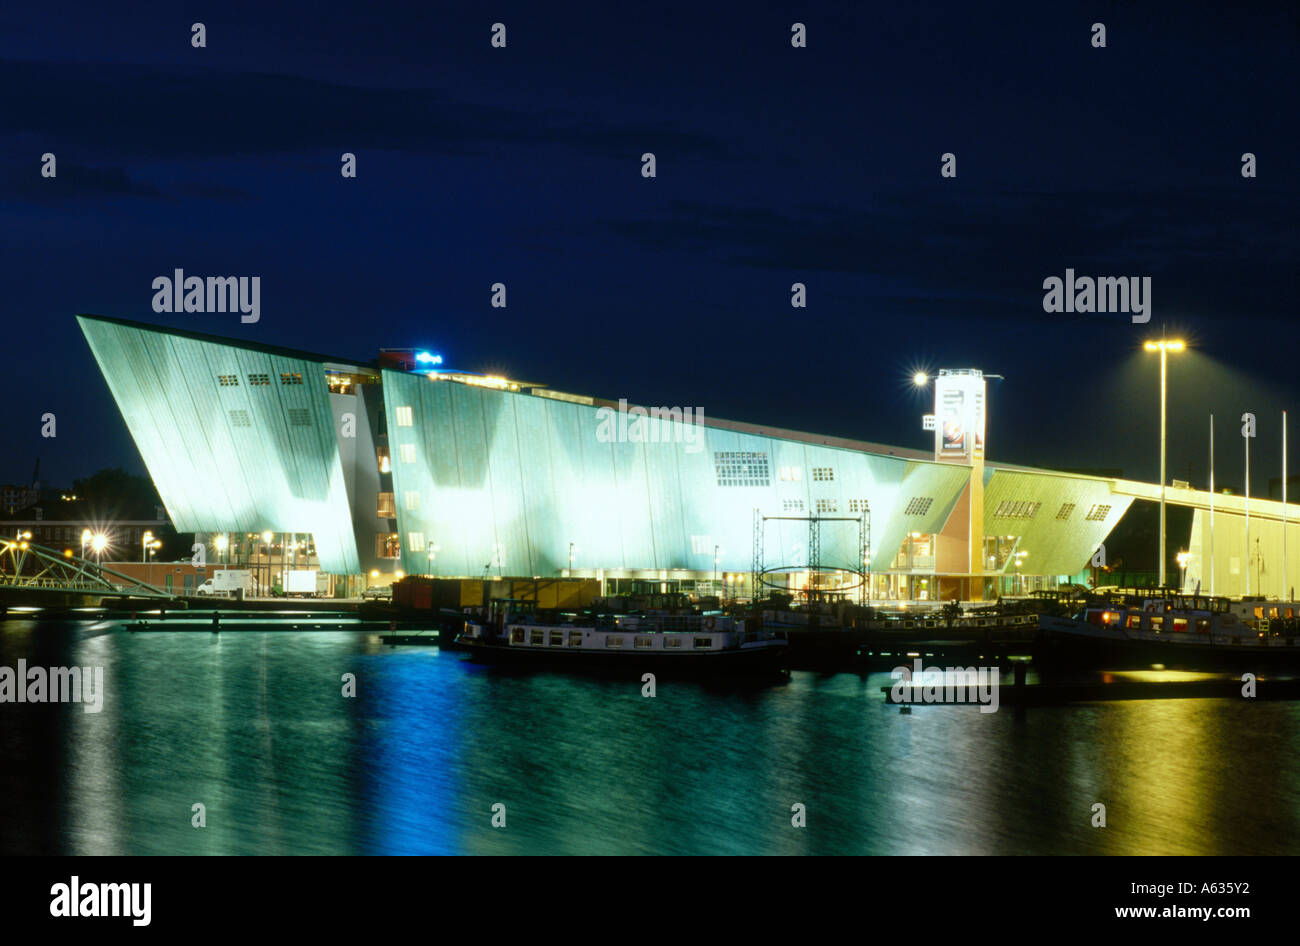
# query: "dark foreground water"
254,727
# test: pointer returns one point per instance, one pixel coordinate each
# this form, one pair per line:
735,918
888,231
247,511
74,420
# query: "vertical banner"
959,404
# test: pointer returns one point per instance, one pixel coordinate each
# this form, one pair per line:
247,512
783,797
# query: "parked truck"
228,583
305,583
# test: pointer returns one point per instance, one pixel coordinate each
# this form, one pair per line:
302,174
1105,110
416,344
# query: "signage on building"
959,405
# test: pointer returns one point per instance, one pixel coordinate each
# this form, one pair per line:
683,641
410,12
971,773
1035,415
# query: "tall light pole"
1164,347
145,541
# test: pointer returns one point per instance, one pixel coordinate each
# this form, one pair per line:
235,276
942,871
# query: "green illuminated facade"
392,470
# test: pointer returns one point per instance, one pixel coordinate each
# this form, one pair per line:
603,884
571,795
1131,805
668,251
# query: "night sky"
775,165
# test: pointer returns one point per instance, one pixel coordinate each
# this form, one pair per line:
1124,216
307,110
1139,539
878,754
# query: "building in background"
281,458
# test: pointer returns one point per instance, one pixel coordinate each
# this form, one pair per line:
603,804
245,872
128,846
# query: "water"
254,727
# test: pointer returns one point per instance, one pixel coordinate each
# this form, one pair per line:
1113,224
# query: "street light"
1164,347
145,541
570,560
920,379
98,542
1183,557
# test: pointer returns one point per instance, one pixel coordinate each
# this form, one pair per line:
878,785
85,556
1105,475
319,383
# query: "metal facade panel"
218,470
531,475
1059,540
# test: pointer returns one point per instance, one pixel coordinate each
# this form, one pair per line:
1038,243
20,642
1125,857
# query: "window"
792,474
404,417
299,417
703,643
1134,622
918,506
672,642
228,380
411,499
642,643
1066,510
381,453
415,541
823,474
792,505
1016,509
557,638
536,637
741,468
1097,513
575,638
387,545
826,505
858,505
408,452
257,380
240,419
290,377
387,508
613,641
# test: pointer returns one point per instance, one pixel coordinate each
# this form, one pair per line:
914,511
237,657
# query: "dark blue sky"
775,165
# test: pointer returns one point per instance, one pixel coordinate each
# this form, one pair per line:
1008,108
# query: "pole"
1286,580
1211,505
1247,439
1164,361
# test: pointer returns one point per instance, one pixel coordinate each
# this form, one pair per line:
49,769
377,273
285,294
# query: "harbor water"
256,728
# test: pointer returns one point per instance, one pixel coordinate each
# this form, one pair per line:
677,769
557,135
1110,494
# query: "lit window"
1066,510
792,474
826,505
741,468
387,508
918,506
415,541
384,465
823,474
290,377
404,417
412,500
408,452
1098,513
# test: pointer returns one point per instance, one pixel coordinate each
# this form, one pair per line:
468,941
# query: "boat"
1139,629
678,644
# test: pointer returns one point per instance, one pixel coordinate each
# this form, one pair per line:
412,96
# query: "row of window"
259,380
554,638
1017,509
298,417
741,468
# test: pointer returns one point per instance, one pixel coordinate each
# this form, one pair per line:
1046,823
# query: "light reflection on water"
254,727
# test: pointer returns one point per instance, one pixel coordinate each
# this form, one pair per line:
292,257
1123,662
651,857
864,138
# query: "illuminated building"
400,465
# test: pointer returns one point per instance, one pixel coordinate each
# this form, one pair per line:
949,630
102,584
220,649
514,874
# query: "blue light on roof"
428,359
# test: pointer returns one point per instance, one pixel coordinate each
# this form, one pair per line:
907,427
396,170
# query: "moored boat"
1141,629
673,643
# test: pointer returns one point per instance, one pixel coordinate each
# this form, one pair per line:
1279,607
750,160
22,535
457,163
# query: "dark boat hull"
758,661
1058,647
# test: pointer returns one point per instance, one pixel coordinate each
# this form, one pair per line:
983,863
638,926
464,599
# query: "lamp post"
145,541
85,539
1164,347
98,542
1183,557
570,559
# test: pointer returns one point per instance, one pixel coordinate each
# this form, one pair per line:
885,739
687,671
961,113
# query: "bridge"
29,568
